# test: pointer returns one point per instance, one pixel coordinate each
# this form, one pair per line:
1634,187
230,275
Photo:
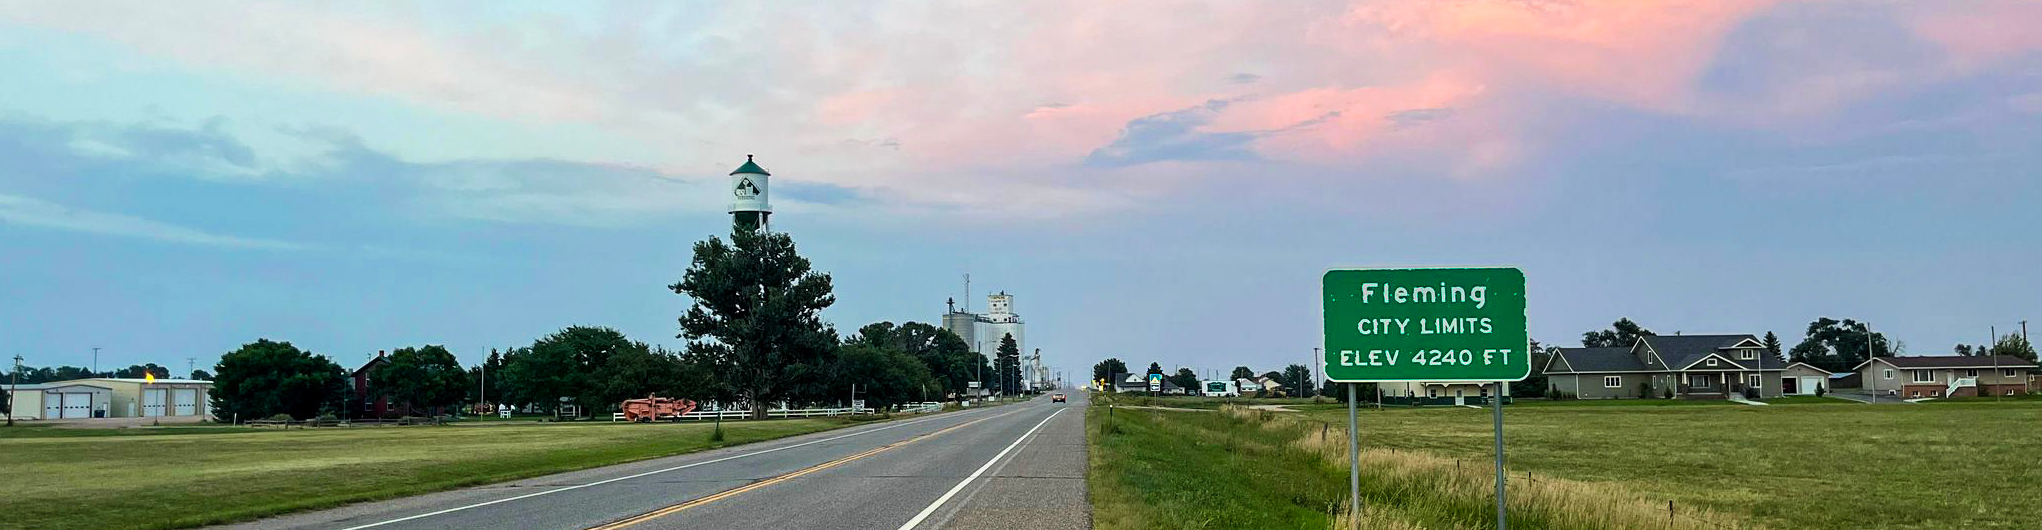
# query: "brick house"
1947,376
370,405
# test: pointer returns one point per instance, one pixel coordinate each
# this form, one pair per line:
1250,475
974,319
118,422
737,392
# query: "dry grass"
1407,486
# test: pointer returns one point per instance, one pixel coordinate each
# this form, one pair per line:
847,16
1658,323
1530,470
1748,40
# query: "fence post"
1669,514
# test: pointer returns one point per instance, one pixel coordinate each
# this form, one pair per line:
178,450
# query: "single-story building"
1460,391
1690,366
113,398
1803,379
1947,376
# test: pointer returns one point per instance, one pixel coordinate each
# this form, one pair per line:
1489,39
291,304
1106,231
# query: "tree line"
1296,379
29,375
754,332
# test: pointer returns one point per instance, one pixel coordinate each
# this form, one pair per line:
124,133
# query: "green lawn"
1810,400
1806,463
164,478
1238,468
1959,465
1579,403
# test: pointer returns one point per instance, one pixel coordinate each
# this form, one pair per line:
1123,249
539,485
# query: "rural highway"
1020,465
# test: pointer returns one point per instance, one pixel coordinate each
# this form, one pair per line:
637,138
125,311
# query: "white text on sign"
1490,356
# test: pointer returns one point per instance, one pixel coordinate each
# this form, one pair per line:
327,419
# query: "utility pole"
1311,374
12,388
190,366
1989,350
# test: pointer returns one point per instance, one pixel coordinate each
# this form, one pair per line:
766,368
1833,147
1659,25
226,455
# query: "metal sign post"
1502,520
1353,463
1425,325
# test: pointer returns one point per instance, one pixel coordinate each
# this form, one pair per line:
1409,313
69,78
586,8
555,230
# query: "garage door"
186,401
77,405
152,402
53,406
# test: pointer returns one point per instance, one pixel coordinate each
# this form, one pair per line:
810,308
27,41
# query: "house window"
1612,381
1712,362
2007,373
1924,376
1971,373
2010,391
1917,393
1432,392
1747,354
1889,373
1757,380
1485,391
1700,381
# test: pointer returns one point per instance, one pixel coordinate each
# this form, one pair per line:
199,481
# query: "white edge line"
654,472
974,475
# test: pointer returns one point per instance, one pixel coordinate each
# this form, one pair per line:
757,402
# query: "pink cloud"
1979,33
906,95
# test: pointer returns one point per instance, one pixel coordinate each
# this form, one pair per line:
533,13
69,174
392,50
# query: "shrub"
1819,391
280,417
1668,394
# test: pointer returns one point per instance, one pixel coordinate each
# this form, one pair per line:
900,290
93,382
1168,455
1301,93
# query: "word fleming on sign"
1426,325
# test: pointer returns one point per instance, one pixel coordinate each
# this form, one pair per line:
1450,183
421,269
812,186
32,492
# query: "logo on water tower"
745,188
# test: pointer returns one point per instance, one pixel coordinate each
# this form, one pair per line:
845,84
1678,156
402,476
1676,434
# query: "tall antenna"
967,292
190,366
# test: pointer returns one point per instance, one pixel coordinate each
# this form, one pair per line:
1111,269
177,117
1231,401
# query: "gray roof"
1683,350
1601,360
1958,361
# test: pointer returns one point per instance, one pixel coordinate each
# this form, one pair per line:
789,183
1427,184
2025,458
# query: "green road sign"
1425,325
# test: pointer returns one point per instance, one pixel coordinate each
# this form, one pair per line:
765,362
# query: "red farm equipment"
654,408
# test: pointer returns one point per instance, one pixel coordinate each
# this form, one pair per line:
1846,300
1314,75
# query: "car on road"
1057,397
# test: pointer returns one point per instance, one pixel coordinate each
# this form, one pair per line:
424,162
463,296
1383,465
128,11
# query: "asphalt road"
1013,466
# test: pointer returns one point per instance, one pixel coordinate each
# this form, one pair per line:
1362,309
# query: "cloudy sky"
1153,181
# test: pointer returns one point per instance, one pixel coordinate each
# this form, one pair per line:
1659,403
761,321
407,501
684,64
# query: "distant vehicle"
1056,398
656,408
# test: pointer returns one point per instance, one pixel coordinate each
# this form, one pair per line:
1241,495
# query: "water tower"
748,188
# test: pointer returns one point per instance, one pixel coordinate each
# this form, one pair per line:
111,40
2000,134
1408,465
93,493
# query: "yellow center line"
670,510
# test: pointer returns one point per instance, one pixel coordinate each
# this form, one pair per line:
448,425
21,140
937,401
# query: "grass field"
1822,465
190,476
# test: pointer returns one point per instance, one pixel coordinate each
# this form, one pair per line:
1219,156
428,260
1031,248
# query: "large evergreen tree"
1186,378
1008,363
1242,372
756,318
266,378
1300,380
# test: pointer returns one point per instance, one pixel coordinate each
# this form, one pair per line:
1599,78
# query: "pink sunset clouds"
899,95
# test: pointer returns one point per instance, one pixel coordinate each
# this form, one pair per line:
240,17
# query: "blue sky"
1156,185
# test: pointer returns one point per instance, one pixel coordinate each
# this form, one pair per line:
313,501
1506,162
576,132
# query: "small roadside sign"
1441,324
1155,382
